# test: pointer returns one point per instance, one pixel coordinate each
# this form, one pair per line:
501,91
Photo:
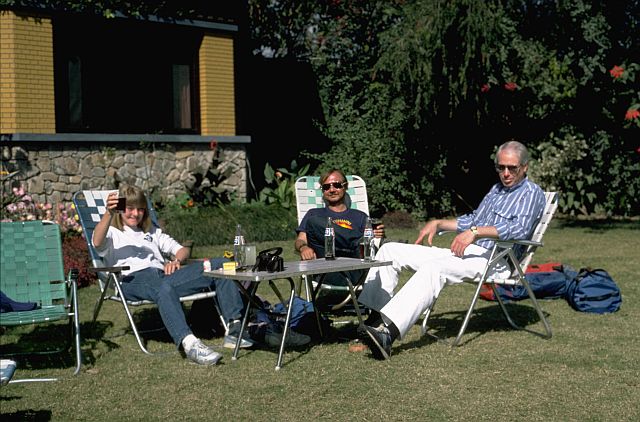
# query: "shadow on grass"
484,320
28,415
40,346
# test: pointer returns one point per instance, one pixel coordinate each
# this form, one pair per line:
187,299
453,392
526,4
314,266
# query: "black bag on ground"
267,323
593,290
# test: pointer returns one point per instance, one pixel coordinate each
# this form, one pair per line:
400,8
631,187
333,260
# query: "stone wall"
54,172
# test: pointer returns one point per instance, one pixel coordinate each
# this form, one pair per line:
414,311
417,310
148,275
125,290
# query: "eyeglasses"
512,169
336,185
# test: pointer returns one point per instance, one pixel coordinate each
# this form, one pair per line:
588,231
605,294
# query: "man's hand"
429,230
461,241
307,253
171,267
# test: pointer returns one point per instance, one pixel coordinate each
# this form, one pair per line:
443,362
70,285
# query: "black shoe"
379,341
294,339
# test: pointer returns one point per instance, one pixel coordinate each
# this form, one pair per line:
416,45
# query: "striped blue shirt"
514,212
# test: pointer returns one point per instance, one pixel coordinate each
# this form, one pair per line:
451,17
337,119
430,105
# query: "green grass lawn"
588,371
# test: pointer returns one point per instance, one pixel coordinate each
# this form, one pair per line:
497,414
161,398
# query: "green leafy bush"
284,192
216,225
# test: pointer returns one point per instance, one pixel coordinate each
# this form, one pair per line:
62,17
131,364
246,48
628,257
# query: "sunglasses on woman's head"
337,185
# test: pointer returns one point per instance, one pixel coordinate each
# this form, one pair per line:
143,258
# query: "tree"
399,79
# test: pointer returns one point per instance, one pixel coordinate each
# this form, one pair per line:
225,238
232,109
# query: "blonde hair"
135,198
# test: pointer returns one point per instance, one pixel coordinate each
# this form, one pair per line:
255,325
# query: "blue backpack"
593,291
544,284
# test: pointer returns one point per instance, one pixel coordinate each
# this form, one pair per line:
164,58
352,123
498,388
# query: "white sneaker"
7,368
202,354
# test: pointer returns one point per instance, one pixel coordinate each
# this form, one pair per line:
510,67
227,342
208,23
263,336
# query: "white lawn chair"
308,196
504,249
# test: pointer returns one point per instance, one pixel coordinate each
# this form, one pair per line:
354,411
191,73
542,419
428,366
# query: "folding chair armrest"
443,232
520,242
501,242
109,269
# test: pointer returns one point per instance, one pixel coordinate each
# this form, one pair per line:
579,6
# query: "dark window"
125,76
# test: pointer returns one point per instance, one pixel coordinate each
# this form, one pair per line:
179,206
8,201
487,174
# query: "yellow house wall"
217,96
27,101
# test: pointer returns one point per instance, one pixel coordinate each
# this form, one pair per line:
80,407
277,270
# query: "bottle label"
328,231
368,233
237,240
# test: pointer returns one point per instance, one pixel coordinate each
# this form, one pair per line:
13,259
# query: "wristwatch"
474,230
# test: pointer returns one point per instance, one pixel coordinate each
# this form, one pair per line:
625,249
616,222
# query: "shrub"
399,220
284,180
216,225
75,255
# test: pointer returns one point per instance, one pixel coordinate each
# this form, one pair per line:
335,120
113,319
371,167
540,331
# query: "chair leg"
131,321
224,323
76,328
547,328
467,317
425,319
104,295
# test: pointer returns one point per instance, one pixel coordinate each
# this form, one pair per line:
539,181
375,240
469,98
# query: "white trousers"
434,268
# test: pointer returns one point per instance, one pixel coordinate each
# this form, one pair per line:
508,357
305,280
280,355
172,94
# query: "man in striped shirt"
509,211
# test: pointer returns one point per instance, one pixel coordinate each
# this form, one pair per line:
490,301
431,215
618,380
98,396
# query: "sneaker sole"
232,345
211,363
382,354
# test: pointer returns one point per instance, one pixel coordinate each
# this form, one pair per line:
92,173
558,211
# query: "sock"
233,327
374,316
188,341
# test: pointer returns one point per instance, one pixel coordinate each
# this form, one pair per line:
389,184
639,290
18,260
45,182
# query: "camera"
269,260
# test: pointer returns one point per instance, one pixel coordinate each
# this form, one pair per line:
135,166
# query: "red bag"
486,292
546,267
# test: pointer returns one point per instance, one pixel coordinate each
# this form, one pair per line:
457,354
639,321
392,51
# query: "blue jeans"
166,290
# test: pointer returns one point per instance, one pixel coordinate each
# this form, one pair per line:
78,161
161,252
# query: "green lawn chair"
32,270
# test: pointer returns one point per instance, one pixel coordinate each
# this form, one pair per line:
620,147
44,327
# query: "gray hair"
516,147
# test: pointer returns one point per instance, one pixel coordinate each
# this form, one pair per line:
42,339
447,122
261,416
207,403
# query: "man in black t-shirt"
348,224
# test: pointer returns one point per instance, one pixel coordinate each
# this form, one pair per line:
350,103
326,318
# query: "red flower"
213,145
616,72
632,114
485,88
510,86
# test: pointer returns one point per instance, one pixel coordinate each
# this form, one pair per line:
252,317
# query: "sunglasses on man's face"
511,169
336,185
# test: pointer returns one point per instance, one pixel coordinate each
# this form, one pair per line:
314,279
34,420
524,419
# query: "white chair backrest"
309,194
551,205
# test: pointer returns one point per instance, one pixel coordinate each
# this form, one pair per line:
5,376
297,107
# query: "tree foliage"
399,79
403,83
